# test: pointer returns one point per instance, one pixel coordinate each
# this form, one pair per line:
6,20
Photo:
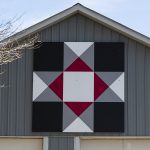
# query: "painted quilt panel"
78,87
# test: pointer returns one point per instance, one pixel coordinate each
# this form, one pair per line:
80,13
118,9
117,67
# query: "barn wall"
16,94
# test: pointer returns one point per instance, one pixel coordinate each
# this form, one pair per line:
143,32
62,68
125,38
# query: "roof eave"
45,23
78,8
115,26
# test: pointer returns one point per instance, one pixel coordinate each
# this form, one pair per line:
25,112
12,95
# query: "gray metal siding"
61,143
16,96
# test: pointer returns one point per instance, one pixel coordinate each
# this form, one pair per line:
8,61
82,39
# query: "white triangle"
79,47
118,86
38,86
78,126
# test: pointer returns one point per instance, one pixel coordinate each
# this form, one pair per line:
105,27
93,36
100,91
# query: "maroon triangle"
78,107
78,65
57,86
99,86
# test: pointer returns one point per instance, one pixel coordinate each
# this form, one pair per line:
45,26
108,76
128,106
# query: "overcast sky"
132,13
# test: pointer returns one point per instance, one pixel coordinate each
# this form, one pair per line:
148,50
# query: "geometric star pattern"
86,82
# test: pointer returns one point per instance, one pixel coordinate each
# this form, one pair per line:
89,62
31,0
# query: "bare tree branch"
11,48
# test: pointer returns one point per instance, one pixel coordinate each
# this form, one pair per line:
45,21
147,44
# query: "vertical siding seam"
67,141
126,82
94,32
59,143
101,32
26,70
67,24
51,33
84,21
0,91
144,90
92,29
24,91
2,94
111,35
49,36
102,38
76,27
4,98
7,96
59,32
147,92
8,100
136,86
94,39
1,97
77,20
16,119
49,143
62,33
84,28
41,35
1,100
15,106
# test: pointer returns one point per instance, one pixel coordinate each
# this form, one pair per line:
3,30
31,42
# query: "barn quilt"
78,87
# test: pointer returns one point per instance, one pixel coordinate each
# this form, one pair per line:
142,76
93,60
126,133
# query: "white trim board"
115,144
21,137
45,143
114,137
77,140
77,143
78,8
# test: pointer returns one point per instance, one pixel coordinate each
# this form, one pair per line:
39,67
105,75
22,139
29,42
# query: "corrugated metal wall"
16,94
61,143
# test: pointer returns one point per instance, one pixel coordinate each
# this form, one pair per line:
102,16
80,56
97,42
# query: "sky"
134,14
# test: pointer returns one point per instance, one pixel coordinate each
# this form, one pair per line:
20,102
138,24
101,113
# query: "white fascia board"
115,25
90,14
45,23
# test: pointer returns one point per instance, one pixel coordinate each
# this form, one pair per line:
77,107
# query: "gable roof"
78,8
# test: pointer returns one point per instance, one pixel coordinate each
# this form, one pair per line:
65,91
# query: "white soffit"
78,8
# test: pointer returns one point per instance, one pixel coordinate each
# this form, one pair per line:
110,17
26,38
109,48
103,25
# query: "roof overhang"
78,8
